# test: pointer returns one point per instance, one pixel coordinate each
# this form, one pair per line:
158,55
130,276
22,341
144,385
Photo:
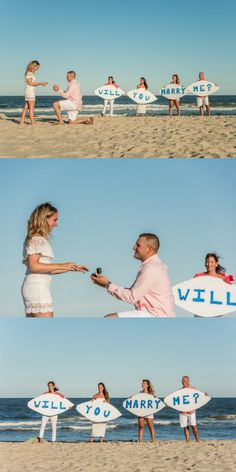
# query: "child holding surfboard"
99,429
31,83
38,258
54,390
148,389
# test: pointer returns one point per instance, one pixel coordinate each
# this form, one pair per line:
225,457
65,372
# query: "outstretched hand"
81,268
100,280
55,88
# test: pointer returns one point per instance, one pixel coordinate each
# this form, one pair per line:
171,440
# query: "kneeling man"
151,293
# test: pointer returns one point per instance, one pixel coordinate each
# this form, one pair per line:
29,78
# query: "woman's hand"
55,88
72,267
82,268
44,83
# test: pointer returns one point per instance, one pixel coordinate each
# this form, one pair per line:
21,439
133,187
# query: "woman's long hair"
144,81
105,392
37,223
54,385
177,79
151,390
30,65
219,269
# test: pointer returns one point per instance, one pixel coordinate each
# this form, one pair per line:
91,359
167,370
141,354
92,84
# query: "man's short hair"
185,377
72,72
152,240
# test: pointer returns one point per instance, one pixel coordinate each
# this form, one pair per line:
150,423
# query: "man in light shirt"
72,103
151,293
189,418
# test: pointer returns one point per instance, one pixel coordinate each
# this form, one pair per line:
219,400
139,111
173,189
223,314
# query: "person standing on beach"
187,419
109,103
151,293
72,103
54,390
38,257
141,108
149,390
172,103
31,83
99,429
201,101
214,269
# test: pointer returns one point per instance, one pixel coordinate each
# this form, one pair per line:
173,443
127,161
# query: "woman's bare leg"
48,314
151,428
177,105
31,111
171,106
24,112
141,423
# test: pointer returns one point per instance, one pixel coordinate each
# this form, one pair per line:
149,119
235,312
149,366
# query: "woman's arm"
40,268
35,84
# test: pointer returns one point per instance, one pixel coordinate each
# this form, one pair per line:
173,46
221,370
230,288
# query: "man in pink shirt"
72,103
151,293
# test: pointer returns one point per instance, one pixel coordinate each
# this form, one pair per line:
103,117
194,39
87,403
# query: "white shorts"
135,314
187,420
201,101
70,107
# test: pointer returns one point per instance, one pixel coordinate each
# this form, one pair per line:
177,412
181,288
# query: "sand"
171,456
133,137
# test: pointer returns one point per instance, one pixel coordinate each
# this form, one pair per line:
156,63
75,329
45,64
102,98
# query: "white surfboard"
141,96
109,92
98,411
206,296
202,88
173,91
49,404
143,404
186,399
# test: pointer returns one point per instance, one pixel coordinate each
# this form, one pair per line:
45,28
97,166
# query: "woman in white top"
176,102
31,83
109,103
38,257
141,109
146,388
53,419
99,429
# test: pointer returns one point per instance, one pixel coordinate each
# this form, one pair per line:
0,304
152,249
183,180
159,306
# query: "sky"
127,39
77,354
104,204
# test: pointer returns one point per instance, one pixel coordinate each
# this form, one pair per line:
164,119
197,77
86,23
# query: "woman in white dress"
99,429
54,390
109,103
31,83
38,257
146,388
141,109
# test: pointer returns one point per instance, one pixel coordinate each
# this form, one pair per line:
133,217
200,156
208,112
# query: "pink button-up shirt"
73,93
151,290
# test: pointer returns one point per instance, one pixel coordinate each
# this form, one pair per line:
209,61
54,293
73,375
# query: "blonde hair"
30,65
150,388
37,223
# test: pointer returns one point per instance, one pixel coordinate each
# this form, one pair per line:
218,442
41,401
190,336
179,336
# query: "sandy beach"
133,137
120,457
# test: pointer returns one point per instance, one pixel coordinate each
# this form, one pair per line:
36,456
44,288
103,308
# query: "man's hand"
100,280
55,88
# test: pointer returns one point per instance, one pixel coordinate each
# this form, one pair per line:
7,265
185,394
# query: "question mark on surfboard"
209,87
196,396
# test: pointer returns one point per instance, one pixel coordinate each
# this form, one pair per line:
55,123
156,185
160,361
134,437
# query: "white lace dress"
36,287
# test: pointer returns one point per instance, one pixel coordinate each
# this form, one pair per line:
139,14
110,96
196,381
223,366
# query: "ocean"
124,106
216,421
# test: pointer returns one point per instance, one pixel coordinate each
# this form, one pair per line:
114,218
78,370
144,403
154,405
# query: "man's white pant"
188,419
135,314
45,420
109,103
201,101
70,107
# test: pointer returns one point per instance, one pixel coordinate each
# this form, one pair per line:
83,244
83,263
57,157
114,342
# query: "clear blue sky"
127,39
77,354
103,206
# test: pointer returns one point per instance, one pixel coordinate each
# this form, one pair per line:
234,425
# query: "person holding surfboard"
30,87
72,103
172,103
201,101
54,390
189,418
38,258
109,103
148,389
214,269
99,429
141,109
151,293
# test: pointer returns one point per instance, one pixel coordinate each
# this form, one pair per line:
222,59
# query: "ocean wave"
4,424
